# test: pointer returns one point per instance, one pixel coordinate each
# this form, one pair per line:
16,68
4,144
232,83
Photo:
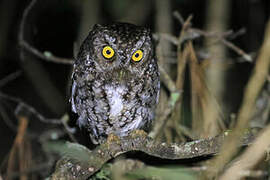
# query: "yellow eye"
107,52
137,56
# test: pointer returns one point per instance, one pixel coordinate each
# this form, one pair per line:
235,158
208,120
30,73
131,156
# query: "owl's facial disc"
119,52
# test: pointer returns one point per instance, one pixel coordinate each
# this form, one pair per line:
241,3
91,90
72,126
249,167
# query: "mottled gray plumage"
117,95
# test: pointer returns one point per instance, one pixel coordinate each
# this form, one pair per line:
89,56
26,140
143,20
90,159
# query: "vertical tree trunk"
217,15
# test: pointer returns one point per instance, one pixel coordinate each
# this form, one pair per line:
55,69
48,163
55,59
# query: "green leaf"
163,173
104,173
174,98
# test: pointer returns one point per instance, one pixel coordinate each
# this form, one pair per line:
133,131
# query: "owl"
115,81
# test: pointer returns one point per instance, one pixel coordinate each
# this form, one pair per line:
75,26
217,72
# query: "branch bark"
82,163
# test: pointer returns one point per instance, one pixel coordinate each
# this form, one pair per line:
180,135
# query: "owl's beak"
121,74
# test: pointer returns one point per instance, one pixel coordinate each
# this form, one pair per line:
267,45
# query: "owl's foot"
112,138
138,132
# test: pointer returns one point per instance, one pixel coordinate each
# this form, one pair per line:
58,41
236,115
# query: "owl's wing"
82,120
73,92
158,91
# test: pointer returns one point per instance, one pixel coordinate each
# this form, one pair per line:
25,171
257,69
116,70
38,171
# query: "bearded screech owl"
115,81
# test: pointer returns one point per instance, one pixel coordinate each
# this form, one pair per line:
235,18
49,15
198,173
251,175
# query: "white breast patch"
115,100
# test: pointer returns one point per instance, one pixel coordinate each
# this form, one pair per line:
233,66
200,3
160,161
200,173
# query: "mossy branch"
80,163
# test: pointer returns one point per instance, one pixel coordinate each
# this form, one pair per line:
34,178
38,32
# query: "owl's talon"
138,132
112,138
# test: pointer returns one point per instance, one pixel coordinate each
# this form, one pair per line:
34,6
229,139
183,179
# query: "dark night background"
59,24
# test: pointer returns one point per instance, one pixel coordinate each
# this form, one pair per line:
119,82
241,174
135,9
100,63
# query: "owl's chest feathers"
123,107
115,99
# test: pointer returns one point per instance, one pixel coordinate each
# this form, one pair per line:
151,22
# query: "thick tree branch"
81,163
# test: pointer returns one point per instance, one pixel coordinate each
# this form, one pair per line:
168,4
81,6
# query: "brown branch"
221,37
64,121
163,120
44,56
166,79
75,167
34,70
29,108
182,58
26,108
5,117
174,87
19,150
252,90
10,77
174,96
47,56
244,163
238,50
193,33
179,17
167,37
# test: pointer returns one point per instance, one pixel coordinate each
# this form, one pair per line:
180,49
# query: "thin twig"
239,51
31,109
179,17
18,149
244,163
239,32
196,33
46,55
52,97
184,36
163,120
182,58
167,37
64,121
211,34
221,38
254,86
10,77
170,84
31,49
180,78
258,174
166,79
6,118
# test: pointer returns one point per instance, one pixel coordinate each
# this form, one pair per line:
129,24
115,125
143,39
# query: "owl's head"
118,50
